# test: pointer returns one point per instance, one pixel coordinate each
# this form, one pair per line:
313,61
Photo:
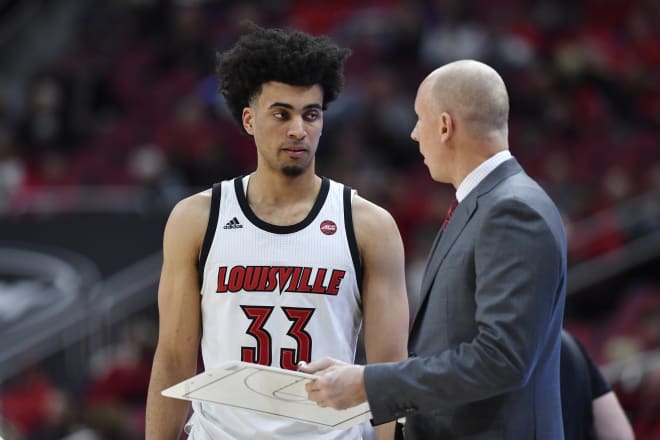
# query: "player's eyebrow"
289,106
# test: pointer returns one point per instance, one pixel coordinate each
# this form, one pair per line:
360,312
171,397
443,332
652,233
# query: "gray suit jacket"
485,344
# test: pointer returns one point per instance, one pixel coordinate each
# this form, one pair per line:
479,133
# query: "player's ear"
248,120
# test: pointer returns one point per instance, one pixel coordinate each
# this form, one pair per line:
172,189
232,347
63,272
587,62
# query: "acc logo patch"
328,227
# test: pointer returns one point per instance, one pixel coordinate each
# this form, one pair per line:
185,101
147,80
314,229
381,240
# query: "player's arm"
176,354
384,299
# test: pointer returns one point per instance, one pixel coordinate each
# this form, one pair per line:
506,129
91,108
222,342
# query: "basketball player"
290,264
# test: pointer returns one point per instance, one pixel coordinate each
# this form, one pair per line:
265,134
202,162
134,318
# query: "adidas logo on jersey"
233,224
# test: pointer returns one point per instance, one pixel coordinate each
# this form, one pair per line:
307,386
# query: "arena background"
109,114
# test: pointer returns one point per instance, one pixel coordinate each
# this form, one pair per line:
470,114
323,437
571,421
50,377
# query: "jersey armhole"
210,231
350,235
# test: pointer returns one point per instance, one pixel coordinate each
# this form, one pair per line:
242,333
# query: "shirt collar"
479,173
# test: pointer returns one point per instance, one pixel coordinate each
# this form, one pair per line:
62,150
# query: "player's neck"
276,188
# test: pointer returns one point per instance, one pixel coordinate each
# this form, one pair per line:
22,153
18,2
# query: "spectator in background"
34,405
12,168
590,408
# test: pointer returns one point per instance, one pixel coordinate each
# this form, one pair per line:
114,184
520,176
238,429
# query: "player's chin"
292,170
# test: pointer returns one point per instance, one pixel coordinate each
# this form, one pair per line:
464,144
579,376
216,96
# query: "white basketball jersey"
276,295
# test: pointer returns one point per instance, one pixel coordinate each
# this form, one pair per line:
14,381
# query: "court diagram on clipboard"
265,389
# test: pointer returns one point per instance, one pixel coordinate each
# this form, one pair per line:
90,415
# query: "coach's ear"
248,119
445,126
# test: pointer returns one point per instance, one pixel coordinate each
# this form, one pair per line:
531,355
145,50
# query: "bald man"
485,343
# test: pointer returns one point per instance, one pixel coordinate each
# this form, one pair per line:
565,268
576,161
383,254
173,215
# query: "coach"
485,344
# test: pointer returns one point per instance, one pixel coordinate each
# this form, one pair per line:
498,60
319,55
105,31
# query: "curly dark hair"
287,56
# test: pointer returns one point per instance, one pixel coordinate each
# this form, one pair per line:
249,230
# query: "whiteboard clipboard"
267,390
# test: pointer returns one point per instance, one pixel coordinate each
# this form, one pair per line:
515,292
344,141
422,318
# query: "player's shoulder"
369,217
193,204
365,207
192,213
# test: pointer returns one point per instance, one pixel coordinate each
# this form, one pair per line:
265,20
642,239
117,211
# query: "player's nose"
296,128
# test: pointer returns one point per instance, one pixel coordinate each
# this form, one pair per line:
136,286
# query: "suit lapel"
463,213
445,240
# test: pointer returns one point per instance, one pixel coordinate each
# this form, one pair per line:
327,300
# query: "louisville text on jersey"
283,278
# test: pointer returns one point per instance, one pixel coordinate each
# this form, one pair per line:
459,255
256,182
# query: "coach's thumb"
316,366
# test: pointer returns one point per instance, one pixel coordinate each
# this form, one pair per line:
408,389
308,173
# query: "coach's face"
432,132
286,122
425,130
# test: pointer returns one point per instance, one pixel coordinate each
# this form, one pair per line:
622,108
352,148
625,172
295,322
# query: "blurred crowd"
130,99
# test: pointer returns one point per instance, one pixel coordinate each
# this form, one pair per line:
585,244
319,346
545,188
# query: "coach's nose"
413,134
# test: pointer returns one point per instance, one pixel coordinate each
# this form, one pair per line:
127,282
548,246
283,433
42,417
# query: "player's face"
286,122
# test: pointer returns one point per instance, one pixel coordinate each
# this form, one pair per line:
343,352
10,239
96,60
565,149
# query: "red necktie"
450,212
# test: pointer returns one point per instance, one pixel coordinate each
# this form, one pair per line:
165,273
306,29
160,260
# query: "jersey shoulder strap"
210,231
350,234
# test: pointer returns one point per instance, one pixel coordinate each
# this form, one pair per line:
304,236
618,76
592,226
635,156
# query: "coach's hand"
338,385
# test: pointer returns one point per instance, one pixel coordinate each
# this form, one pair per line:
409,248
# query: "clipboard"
265,389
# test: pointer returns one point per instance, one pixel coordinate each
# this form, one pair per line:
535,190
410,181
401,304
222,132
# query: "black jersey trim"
210,231
350,235
277,229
